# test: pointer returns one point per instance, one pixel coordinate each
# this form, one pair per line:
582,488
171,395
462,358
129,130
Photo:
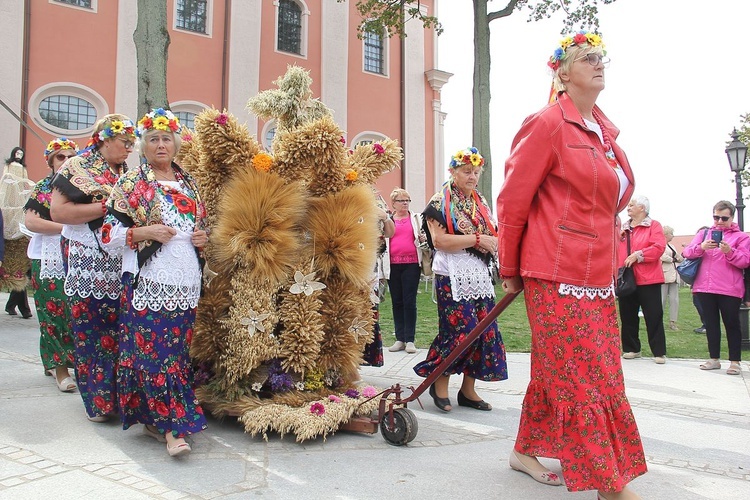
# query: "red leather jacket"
648,237
557,209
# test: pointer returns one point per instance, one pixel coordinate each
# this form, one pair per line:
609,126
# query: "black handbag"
688,268
625,278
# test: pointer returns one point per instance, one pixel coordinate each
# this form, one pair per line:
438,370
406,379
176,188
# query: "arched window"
365,138
374,53
291,26
269,132
193,16
186,111
187,119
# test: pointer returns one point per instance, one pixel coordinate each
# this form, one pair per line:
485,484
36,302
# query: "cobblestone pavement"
695,427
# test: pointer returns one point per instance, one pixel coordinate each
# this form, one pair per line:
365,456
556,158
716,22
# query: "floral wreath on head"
583,37
115,128
158,119
468,156
59,144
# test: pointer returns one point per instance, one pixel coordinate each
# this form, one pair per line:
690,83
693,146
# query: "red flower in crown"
580,38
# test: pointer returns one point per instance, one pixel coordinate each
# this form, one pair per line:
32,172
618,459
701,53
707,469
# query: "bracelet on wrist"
129,239
476,245
104,208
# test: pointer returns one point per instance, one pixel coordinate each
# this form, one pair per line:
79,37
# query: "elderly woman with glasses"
460,228
565,182
724,251
406,261
157,219
92,280
52,309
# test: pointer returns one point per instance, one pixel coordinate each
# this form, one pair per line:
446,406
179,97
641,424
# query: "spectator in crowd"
642,244
671,287
48,274
406,262
565,182
461,229
719,284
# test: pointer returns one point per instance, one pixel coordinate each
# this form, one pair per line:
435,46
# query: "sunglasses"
402,201
722,218
62,156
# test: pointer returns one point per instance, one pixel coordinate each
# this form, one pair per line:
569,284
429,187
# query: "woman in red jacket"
565,182
647,243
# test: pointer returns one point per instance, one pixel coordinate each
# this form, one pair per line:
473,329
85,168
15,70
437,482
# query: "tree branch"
508,10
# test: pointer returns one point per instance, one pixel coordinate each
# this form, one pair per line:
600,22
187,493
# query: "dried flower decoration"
304,283
378,148
262,162
254,322
351,175
352,393
257,386
369,392
222,119
317,409
334,399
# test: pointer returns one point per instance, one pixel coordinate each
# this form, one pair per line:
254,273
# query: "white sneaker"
411,348
660,360
631,355
397,346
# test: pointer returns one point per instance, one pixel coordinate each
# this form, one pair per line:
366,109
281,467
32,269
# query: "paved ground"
695,427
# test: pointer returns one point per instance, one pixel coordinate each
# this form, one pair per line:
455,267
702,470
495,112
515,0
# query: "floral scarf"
85,179
460,214
134,202
40,198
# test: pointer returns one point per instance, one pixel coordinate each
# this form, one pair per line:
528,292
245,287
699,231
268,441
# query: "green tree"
390,16
151,39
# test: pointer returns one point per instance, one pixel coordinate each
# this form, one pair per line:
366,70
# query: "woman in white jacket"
671,287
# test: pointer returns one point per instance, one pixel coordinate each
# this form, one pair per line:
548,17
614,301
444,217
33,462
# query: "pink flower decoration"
343,141
378,148
222,119
334,398
317,409
369,391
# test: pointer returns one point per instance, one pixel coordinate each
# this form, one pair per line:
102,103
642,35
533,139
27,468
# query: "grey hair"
140,142
668,230
643,201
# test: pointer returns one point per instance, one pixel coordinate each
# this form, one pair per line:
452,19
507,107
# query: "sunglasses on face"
62,156
722,218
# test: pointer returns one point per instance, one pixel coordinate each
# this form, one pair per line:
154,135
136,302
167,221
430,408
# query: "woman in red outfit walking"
565,182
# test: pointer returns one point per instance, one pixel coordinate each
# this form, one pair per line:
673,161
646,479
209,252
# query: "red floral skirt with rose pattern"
155,376
575,408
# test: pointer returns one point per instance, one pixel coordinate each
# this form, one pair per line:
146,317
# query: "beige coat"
669,260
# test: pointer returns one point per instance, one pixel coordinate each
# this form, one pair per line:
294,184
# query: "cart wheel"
404,428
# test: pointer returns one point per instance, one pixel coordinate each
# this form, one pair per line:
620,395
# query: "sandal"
66,385
734,368
711,364
178,449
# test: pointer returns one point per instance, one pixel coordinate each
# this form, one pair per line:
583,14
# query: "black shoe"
26,315
441,403
701,330
477,405
11,311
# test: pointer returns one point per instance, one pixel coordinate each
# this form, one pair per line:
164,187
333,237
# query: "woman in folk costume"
48,274
157,217
92,280
460,228
565,182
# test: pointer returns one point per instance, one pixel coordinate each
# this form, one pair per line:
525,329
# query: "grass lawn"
514,326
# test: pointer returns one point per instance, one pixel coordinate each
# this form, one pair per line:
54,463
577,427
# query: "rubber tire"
404,430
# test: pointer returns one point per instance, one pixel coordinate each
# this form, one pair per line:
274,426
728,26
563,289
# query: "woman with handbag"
641,245
719,284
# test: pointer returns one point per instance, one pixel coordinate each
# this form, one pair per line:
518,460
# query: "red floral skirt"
575,408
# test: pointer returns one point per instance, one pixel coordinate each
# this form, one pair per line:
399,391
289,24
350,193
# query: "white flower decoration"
257,386
254,322
300,386
304,283
358,328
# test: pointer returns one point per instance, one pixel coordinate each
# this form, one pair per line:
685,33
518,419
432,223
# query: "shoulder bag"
688,268
625,278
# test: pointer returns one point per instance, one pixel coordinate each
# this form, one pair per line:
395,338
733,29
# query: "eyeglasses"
62,156
595,59
722,218
402,201
127,144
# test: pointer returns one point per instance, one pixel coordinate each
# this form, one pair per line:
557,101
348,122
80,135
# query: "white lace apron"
52,258
591,292
171,279
470,277
91,270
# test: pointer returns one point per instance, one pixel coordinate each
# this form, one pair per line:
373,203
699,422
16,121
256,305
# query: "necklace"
608,152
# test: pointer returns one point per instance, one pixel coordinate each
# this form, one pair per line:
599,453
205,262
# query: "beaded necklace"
608,151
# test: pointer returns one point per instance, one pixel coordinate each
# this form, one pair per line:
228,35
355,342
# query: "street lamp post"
737,155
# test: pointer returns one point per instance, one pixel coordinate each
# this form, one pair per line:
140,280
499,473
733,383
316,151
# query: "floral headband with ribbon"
112,129
158,119
468,156
583,37
59,144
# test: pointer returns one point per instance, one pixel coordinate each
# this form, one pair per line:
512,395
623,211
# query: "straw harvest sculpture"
286,310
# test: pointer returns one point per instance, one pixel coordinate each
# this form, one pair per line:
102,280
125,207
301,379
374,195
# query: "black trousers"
729,307
648,299
403,285
699,308
20,300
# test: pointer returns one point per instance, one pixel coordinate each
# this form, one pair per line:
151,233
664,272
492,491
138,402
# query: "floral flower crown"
468,156
581,38
158,119
115,127
58,144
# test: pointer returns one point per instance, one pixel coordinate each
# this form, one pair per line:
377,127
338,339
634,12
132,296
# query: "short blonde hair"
398,192
140,142
572,54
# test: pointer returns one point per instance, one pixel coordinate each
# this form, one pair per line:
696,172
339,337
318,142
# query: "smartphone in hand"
716,235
